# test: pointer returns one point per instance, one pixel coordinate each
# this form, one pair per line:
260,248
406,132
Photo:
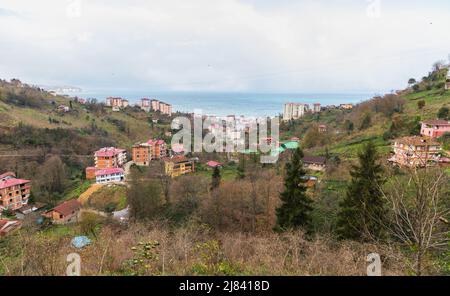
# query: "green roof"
290,145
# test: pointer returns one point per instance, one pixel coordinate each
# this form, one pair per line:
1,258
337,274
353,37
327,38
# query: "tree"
411,81
144,197
419,213
362,210
420,104
215,179
443,113
295,208
366,121
241,169
348,125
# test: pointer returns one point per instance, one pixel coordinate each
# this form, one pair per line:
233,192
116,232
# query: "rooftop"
12,182
109,151
109,171
418,141
314,160
68,207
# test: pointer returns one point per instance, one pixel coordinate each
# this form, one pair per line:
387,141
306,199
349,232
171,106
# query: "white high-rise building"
294,111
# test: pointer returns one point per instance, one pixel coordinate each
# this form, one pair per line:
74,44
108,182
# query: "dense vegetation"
245,218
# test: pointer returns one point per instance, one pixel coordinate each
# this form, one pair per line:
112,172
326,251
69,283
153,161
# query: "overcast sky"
223,45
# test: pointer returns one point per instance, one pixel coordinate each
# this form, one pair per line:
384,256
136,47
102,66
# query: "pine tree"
295,208
363,207
241,169
216,177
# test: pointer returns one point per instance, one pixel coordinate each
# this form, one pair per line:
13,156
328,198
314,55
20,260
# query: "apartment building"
435,128
14,193
178,165
110,175
317,108
294,111
110,157
117,102
162,107
146,105
416,151
105,158
144,153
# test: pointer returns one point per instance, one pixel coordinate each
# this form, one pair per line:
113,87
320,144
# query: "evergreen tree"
241,169
295,208
216,177
363,207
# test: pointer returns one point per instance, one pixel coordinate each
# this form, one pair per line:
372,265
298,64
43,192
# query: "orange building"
178,165
107,158
14,193
67,212
143,153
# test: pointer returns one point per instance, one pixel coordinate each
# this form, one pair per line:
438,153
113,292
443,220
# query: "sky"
223,45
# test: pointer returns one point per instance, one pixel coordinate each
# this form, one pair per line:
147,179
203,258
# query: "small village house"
7,226
65,213
63,108
416,151
144,153
435,128
315,163
322,128
346,106
111,175
178,165
14,193
214,164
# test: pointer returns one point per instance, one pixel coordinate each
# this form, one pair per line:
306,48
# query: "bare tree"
419,212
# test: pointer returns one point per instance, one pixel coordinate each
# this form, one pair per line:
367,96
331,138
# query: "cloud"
227,45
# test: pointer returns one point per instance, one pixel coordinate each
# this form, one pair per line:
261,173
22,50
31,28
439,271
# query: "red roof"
67,207
7,174
156,142
213,164
109,171
108,152
12,182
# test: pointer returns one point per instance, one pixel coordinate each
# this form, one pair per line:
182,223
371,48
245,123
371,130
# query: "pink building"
435,128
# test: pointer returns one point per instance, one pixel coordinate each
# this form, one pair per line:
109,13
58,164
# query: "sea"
229,103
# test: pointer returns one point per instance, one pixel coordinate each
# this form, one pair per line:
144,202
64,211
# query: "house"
14,193
7,226
322,128
435,128
110,175
178,165
310,181
447,81
63,108
67,212
28,209
214,164
416,151
314,163
346,106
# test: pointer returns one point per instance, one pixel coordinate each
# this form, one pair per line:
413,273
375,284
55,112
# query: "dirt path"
84,197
